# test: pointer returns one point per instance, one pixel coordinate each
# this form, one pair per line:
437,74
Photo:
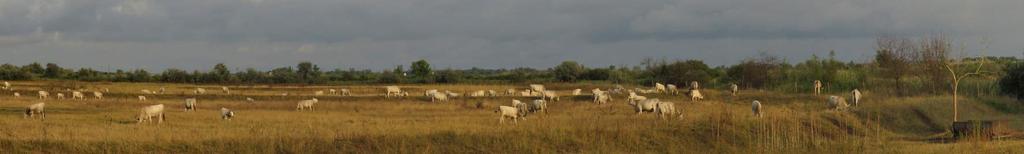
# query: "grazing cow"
250,100
537,88
633,97
17,94
538,106
319,93
451,94
392,91
856,97
492,93
77,95
429,92
507,112
601,97
191,104
199,91
146,91
345,92
60,95
226,114
510,92
97,94
695,95
306,104
34,109
522,108
837,103
478,93
648,105
147,113
437,97
756,107
734,89
694,85
225,90
550,95
817,87
163,90
44,94
332,91
577,92
142,98
659,88
672,89
665,109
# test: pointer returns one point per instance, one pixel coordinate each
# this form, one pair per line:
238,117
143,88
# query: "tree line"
901,66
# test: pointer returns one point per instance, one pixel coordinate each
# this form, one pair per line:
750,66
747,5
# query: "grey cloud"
463,33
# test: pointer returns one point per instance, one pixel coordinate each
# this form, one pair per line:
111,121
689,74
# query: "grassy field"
368,123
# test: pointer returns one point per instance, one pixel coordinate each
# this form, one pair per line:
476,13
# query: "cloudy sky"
379,34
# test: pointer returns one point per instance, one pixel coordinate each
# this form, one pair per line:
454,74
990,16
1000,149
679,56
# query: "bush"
1013,82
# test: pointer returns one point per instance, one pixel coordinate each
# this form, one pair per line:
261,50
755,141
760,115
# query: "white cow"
319,93
526,93
665,109
430,92
492,93
577,92
452,94
695,95
507,112
60,95
250,100
146,91
226,114
837,103
34,109
142,98
694,85
97,94
191,104
147,113
734,89
478,93
44,94
345,92
550,95
7,85
539,106
601,97
537,88
77,95
817,87
522,108
856,97
756,107
163,90
437,97
306,104
659,88
648,105
510,92
332,91
392,91
225,90
199,91
672,89
17,94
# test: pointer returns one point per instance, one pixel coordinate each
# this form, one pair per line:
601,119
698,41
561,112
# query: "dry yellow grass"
793,123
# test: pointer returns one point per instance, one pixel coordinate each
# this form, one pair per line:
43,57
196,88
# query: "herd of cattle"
518,110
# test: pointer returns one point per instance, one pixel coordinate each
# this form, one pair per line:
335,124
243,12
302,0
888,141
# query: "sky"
381,34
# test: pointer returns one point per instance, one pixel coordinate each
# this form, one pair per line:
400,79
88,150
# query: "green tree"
421,70
53,71
309,73
568,71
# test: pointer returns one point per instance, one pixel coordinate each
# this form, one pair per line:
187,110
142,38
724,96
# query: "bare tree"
894,57
932,54
956,71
